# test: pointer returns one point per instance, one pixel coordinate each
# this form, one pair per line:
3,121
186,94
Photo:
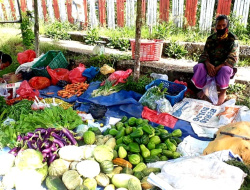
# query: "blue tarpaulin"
122,103
118,104
126,103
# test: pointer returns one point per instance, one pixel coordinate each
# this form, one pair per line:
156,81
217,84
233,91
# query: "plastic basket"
150,50
175,91
54,59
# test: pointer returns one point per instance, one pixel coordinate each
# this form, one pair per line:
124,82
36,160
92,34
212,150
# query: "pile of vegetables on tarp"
115,159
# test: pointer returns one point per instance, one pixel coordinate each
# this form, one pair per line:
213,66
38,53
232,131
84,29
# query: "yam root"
235,144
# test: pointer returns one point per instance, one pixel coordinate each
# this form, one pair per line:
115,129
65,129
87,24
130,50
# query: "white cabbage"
71,153
9,178
6,162
29,159
87,151
58,167
88,168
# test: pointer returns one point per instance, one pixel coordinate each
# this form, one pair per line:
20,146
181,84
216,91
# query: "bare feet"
201,94
222,97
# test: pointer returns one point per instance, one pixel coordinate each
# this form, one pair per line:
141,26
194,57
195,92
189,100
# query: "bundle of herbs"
107,89
55,117
22,107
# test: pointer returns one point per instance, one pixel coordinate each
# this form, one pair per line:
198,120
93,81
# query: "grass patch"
245,62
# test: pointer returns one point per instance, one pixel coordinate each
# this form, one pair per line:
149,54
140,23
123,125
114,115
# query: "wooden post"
138,40
190,13
36,28
13,12
224,7
120,13
56,9
102,12
69,11
85,4
23,5
164,10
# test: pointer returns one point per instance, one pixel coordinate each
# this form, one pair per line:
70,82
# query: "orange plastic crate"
150,50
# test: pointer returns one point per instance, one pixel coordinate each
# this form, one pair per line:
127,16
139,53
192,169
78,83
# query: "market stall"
61,129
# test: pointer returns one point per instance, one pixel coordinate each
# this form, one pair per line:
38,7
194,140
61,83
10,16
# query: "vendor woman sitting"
220,55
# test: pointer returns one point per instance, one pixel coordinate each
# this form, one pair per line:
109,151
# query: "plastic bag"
163,106
39,83
26,56
99,49
26,91
75,75
201,172
162,118
62,83
118,77
91,72
210,90
159,76
97,111
106,69
149,98
58,74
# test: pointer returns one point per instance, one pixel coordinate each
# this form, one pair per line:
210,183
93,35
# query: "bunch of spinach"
54,117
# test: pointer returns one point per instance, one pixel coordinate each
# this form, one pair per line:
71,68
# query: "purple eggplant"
13,151
53,134
59,142
31,135
44,155
68,134
47,150
52,158
46,144
30,145
19,138
26,138
41,130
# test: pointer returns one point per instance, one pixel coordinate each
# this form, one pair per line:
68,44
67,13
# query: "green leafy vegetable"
107,89
54,117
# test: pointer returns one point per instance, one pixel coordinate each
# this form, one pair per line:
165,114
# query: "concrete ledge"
190,46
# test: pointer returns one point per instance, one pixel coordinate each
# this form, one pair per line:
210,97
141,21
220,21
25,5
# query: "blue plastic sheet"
55,89
118,104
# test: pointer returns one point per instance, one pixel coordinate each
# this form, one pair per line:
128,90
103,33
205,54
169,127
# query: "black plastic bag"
62,83
97,111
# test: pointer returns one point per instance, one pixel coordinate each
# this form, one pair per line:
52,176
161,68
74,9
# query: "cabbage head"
6,162
58,167
71,179
90,183
103,152
9,179
29,159
28,179
43,171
